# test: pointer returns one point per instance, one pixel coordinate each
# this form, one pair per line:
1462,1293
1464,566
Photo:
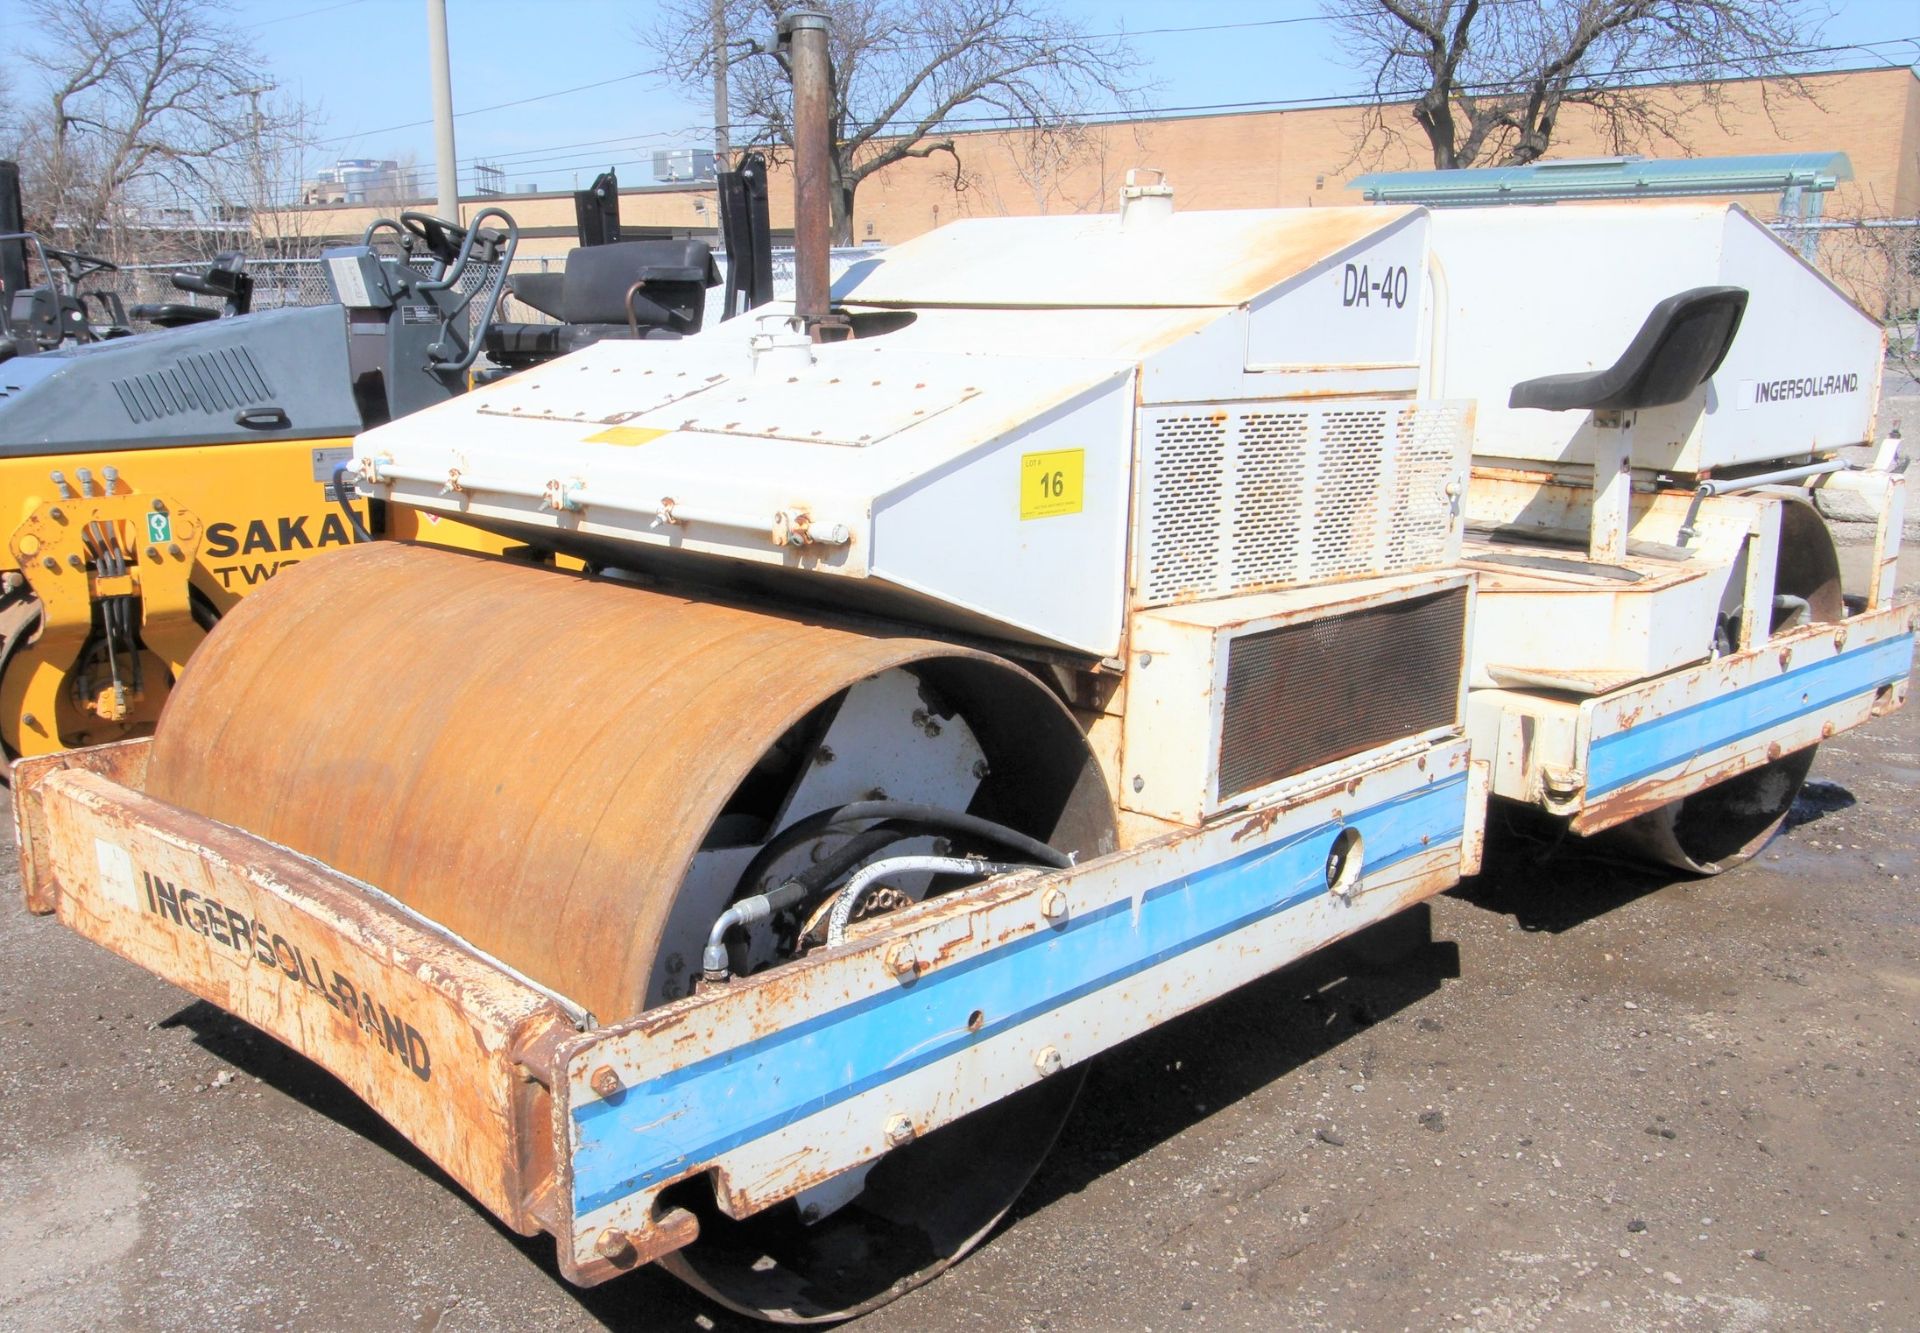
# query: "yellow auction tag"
1052,483
627,435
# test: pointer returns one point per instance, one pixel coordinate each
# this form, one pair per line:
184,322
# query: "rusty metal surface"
527,757
123,762
446,1046
806,32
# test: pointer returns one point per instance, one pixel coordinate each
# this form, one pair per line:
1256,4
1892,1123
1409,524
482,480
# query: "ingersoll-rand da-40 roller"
1059,624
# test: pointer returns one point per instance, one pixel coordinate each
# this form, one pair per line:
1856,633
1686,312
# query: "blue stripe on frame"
1684,735
691,1115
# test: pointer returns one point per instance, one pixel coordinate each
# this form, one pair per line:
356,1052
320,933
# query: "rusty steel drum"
533,758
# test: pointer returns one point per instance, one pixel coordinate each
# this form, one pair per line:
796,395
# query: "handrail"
469,350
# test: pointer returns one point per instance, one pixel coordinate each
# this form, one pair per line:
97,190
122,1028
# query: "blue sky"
363,64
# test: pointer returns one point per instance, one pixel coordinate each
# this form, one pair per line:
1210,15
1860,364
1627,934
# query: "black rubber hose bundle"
903,819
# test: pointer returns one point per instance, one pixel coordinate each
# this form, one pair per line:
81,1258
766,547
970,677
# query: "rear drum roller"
579,777
1724,825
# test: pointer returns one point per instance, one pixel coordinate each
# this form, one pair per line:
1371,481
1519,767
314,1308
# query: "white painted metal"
1360,307
1612,486
1089,261
1548,620
1543,291
904,460
598,466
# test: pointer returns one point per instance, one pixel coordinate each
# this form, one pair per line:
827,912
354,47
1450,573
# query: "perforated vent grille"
1255,497
1189,451
1309,693
1270,500
208,382
1348,504
1426,442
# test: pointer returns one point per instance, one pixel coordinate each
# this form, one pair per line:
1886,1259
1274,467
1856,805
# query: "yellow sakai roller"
149,483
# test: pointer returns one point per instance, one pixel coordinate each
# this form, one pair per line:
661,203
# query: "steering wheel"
78,265
442,238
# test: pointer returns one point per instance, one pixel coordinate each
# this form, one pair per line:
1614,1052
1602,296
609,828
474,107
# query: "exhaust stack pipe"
804,35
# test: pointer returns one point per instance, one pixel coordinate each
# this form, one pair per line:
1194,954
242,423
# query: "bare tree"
269,179
1490,79
10,128
149,117
1875,258
906,74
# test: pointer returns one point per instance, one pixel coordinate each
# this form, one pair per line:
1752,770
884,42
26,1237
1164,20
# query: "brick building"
1266,159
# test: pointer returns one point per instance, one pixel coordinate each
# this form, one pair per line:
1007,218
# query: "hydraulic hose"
714,962
713,959
360,533
862,845
849,897
933,817
901,820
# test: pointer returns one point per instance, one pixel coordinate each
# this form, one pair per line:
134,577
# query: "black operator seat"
226,278
1683,342
627,289
173,314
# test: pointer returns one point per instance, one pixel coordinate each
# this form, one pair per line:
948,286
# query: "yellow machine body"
199,528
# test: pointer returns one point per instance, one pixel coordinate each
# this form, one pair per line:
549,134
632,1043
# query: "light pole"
444,162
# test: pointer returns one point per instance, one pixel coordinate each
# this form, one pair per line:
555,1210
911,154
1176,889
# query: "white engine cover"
970,458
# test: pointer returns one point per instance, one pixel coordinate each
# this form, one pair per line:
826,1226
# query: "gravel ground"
1593,1098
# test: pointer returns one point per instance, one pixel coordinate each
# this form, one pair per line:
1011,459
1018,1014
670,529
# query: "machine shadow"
1548,880
253,1053
1167,1080
1816,801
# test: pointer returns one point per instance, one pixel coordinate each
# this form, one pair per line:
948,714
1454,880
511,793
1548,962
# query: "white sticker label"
349,282
116,874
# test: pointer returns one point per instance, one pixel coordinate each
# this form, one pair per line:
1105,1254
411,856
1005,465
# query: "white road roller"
1071,620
